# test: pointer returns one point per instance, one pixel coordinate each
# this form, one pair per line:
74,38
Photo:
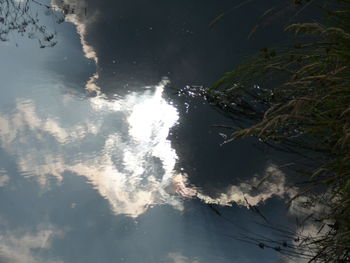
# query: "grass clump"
297,99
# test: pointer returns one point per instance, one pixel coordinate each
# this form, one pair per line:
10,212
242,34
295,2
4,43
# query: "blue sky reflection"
87,178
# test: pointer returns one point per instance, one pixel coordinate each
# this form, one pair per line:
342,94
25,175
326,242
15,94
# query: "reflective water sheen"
120,146
101,161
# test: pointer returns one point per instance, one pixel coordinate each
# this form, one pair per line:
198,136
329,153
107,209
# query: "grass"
297,99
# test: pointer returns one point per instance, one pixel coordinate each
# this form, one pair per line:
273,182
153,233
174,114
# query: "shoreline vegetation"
296,99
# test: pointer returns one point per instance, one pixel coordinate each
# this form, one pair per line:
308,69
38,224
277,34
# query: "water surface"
101,161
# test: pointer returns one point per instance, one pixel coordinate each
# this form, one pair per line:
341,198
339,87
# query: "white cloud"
4,178
130,164
179,258
131,185
18,246
123,169
25,117
304,205
132,189
80,20
307,208
255,191
82,17
91,85
24,126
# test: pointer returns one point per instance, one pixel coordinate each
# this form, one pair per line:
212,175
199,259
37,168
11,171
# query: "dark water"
102,161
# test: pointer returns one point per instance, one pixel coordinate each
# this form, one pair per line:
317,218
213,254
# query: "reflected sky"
120,145
101,162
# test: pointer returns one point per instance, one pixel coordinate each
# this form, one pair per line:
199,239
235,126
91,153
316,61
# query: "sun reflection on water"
130,162
120,146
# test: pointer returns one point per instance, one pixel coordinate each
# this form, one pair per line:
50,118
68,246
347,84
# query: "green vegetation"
297,99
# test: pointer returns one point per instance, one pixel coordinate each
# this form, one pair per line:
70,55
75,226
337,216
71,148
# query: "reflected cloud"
179,258
304,205
26,118
120,146
309,229
25,247
131,163
4,178
79,18
91,85
252,192
139,180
